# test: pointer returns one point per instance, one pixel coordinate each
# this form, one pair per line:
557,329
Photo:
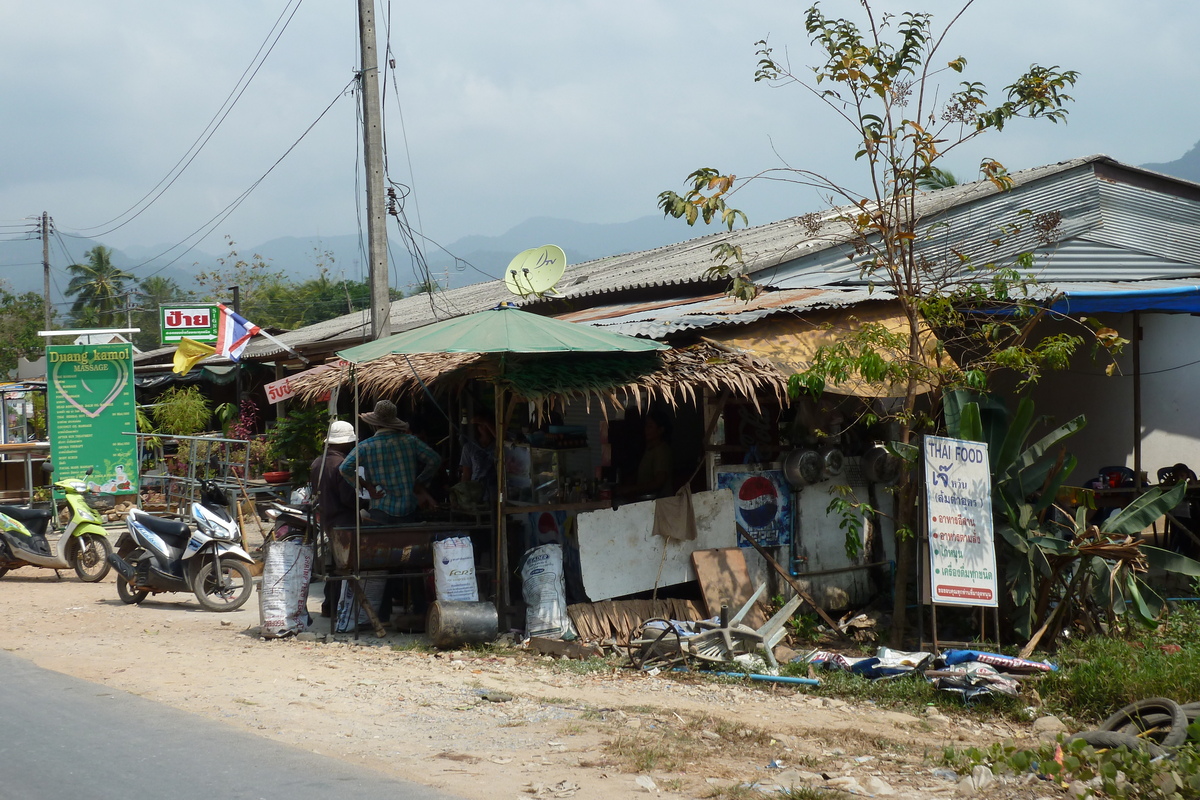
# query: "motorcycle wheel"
90,557
128,594
238,585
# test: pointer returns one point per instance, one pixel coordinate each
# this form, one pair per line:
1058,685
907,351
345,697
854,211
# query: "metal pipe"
840,569
757,677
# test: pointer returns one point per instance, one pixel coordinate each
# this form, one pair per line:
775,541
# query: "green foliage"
181,411
101,290
297,437
21,317
1120,773
153,292
1100,674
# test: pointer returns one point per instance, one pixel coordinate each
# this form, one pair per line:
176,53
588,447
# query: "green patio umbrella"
503,329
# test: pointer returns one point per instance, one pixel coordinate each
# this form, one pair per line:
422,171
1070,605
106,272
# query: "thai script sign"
958,505
195,322
91,415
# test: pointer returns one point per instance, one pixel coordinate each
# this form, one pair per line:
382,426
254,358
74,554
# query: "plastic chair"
1169,476
1116,477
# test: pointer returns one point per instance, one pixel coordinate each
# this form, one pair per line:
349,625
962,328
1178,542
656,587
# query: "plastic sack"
545,592
283,593
454,570
347,620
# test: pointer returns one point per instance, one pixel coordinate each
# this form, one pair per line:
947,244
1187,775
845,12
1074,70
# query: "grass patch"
640,752
588,666
1098,675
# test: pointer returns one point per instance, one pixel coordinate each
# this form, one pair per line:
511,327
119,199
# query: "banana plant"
1056,565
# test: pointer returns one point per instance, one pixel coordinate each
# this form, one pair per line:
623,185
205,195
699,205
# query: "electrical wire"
206,229
194,150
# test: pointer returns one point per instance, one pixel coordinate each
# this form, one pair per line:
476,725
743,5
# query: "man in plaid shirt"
390,461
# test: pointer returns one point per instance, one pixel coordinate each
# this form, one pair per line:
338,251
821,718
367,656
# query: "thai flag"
233,333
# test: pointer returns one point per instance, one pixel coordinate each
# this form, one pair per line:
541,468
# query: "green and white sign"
194,322
92,414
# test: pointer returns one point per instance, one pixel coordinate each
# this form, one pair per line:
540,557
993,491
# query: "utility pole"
46,265
368,79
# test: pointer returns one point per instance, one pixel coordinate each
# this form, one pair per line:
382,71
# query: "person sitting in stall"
478,461
655,472
390,460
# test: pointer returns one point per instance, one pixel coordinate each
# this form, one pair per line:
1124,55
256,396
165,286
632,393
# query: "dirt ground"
480,725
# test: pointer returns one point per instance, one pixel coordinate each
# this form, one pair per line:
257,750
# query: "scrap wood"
609,621
360,595
725,581
557,647
805,596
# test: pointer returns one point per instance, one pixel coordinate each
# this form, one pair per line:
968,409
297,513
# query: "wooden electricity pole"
381,305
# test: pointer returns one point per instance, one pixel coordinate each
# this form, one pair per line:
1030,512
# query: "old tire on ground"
90,555
1191,710
239,583
1169,733
1111,740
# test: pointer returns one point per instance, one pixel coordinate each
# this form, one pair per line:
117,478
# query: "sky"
497,112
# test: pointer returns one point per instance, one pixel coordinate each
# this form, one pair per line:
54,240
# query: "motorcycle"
289,522
161,555
83,545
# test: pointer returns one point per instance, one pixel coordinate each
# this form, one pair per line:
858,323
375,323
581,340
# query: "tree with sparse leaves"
883,81
21,317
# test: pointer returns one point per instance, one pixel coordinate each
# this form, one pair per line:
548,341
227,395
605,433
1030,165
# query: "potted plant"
295,440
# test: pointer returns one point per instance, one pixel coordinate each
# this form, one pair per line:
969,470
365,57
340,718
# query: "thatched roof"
671,376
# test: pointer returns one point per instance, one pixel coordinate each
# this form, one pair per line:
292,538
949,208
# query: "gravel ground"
486,725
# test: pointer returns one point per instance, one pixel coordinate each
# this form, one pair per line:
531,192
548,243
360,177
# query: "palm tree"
98,287
155,291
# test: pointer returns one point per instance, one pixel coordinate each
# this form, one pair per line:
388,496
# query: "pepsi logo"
757,502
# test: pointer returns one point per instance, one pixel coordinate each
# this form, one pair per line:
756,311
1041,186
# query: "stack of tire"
1156,725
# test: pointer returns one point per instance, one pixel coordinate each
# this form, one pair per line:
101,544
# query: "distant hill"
1187,167
479,257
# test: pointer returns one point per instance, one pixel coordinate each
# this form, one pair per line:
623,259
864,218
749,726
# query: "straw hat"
384,416
341,433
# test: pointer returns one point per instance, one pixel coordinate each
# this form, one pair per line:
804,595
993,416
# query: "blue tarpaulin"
1122,298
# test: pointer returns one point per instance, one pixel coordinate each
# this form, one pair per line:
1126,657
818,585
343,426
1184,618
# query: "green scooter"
83,545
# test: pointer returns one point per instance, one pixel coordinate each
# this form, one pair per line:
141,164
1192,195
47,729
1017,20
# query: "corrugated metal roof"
659,319
1161,222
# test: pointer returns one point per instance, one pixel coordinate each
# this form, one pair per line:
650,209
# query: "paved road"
63,737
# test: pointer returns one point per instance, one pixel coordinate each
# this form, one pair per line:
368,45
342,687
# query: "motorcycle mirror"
89,471
47,467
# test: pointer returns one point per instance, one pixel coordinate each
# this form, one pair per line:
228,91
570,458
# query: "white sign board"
958,507
619,553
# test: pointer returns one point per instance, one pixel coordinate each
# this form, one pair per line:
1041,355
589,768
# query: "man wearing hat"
393,460
333,497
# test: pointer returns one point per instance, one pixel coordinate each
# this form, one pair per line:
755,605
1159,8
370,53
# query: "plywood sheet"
619,555
725,580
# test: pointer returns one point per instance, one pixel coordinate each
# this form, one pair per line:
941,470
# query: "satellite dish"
535,271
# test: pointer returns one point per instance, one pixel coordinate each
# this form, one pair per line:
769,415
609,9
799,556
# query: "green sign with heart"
92,415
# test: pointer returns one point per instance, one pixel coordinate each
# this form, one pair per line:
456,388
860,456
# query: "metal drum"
454,623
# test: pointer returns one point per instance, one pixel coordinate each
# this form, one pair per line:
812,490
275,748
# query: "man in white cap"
332,496
393,460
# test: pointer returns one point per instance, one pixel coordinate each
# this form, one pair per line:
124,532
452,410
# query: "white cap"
340,433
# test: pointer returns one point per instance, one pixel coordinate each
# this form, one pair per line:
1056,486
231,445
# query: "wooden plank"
555,647
725,580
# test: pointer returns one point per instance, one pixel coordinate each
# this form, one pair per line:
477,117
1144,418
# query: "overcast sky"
581,110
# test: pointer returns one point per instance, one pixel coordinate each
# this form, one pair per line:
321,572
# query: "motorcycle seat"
168,528
26,514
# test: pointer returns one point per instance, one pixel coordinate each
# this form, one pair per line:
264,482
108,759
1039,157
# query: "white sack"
545,592
454,570
283,594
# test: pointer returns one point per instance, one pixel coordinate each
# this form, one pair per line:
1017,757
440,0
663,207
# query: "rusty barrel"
454,623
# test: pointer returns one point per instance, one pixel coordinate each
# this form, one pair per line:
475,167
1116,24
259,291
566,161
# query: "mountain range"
468,260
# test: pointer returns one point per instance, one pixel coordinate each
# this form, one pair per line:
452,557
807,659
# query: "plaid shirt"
390,460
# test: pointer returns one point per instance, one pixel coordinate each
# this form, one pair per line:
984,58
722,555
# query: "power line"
193,151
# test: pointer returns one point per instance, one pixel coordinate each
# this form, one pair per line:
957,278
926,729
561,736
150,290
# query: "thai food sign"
958,506
92,415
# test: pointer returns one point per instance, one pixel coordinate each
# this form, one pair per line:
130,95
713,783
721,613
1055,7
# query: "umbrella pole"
500,582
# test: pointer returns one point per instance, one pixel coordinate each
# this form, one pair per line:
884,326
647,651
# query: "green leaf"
1168,561
1144,510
